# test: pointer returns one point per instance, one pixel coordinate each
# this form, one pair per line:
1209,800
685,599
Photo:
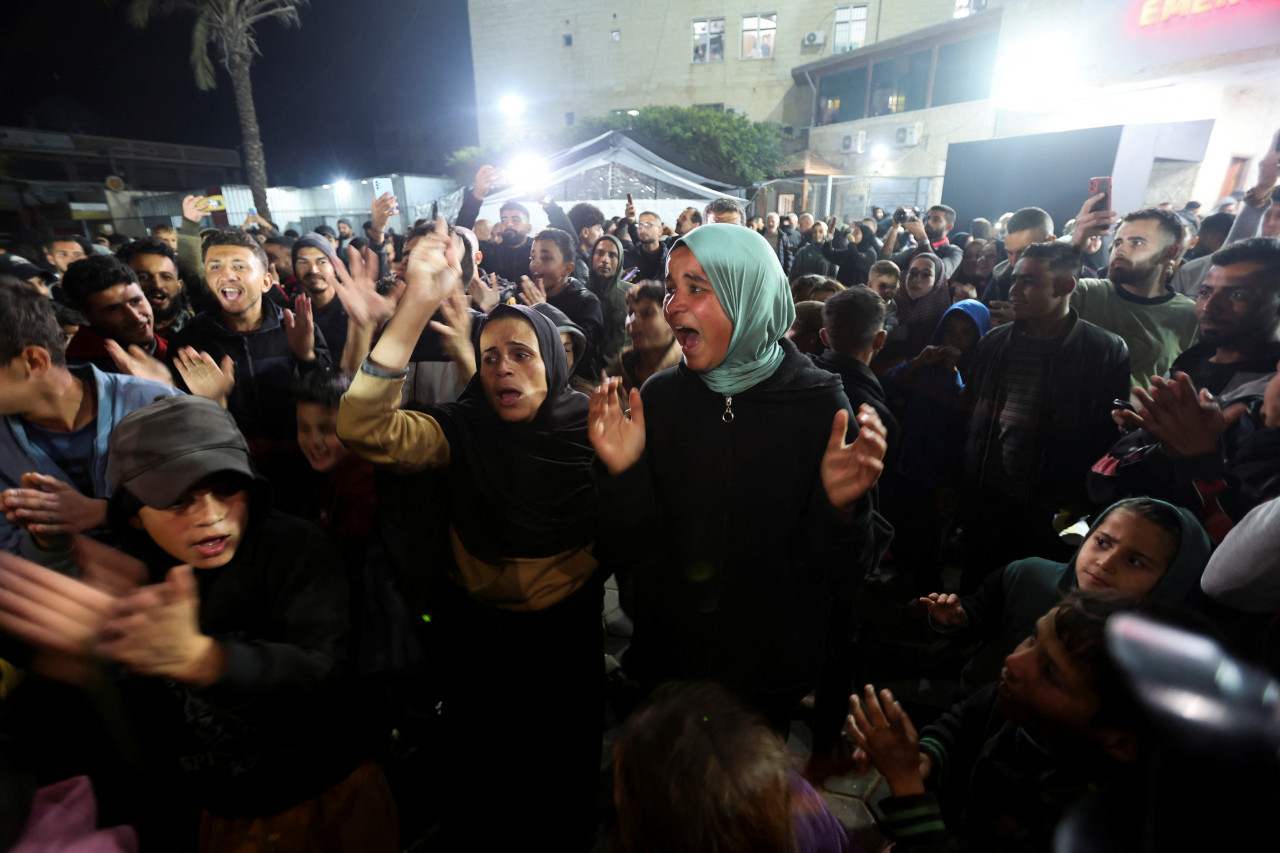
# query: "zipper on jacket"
727,417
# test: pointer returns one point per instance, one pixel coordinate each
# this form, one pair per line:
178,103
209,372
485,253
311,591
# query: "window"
568,40
843,96
615,35
901,83
758,32
964,70
708,40
850,29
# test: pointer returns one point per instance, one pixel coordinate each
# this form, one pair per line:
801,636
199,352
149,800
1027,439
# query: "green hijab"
752,288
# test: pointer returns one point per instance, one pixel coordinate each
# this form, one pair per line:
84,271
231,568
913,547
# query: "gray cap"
158,452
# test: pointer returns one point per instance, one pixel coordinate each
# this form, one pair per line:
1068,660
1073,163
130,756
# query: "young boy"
1009,761
234,698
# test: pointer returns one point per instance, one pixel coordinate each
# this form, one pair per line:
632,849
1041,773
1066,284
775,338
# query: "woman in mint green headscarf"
731,490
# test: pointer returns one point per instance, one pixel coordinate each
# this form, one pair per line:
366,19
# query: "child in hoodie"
1140,546
924,394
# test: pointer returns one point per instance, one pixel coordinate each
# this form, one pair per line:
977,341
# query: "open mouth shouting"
213,546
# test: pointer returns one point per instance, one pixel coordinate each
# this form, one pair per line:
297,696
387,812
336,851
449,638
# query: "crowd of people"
306,536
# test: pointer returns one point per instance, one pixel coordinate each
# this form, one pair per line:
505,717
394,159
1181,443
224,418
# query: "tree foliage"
745,149
729,142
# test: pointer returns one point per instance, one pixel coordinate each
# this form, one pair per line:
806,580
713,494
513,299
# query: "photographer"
930,236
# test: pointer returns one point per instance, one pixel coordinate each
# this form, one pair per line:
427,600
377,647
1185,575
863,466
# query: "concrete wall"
519,49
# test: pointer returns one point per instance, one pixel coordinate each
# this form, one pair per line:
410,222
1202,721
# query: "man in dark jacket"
106,291
510,258
1040,394
314,262
270,348
605,281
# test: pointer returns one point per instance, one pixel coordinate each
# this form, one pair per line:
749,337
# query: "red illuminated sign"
1158,11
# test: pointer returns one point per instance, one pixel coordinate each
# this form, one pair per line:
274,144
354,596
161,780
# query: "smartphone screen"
381,186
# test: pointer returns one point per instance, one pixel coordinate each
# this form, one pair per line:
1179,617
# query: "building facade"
877,91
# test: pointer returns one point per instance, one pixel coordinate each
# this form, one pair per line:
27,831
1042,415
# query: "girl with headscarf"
495,541
737,460
922,300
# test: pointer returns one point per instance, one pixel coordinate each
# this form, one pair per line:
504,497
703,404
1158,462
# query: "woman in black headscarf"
922,300
503,529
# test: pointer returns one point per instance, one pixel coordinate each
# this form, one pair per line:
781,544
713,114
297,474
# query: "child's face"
318,436
885,285
1042,685
204,528
1125,552
959,332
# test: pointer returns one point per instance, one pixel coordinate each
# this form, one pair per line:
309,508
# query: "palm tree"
228,26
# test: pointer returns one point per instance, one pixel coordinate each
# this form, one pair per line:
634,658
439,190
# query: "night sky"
320,90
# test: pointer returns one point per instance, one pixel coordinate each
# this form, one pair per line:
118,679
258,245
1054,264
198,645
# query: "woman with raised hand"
733,482
496,541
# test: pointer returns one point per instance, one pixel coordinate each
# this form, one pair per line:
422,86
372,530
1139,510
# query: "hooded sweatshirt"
927,402
612,293
1005,608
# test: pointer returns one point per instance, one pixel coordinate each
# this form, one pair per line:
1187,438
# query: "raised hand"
485,179
434,267
486,295
204,376
47,507
155,631
1001,312
850,470
945,609
455,334
885,734
1091,223
136,362
381,210
193,207
358,291
531,292
1187,423
300,328
617,437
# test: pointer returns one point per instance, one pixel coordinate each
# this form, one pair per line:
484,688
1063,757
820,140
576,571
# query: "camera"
904,214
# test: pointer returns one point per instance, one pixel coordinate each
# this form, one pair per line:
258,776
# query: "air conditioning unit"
907,135
854,143
793,131
813,38
737,111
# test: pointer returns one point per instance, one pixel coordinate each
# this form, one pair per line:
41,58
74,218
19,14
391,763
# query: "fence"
846,196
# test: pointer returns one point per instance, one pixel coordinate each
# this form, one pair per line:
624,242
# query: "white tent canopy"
601,171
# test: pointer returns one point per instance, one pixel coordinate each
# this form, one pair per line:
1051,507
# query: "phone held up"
1100,185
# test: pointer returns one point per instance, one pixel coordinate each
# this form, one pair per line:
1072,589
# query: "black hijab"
521,489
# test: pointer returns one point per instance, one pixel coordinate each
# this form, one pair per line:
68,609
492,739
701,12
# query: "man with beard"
1134,301
688,220
605,281
777,241
280,251
156,265
106,292
313,263
931,236
1238,310
510,257
648,253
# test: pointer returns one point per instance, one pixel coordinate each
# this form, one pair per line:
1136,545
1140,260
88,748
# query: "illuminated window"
758,32
850,29
708,40
615,35
963,9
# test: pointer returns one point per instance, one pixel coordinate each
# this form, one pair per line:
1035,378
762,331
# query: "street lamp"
511,105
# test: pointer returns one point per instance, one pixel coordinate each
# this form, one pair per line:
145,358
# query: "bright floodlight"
633,112
527,172
341,187
511,105
880,152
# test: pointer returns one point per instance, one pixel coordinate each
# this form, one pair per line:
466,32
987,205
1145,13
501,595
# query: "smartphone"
1100,185
630,200
630,274
253,211
382,186
214,202
1117,403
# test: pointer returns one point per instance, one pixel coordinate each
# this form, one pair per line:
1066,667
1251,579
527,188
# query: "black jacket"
651,266
265,369
583,308
861,386
729,535
855,260
1088,370
509,262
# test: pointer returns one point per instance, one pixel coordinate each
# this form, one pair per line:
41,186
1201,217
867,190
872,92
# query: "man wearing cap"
20,268
54,425
313,263
234,693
